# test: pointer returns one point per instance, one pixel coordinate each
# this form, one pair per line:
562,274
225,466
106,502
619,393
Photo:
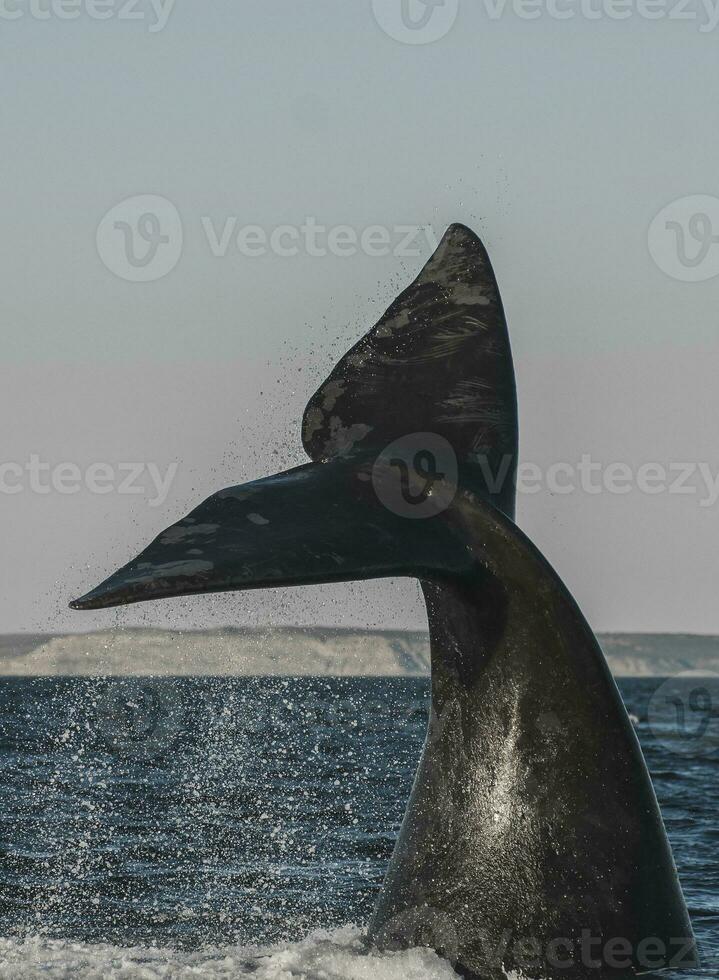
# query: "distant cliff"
288,650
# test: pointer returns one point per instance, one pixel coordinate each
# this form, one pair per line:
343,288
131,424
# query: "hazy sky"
557,140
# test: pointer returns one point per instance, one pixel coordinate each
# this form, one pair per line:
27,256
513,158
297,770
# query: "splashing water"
206,827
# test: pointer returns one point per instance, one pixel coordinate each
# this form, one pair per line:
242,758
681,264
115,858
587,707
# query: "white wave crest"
324,955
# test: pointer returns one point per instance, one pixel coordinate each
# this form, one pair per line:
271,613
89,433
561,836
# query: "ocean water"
241,827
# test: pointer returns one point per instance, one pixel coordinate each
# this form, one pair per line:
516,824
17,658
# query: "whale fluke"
532,839
438,361
437,365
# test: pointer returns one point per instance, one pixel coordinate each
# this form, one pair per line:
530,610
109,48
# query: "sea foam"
339,954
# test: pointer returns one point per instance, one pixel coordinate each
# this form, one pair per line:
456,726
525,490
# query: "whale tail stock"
532,831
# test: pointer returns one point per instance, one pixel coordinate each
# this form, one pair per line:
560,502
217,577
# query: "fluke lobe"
532,838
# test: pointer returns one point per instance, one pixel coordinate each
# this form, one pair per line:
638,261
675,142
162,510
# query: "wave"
339,954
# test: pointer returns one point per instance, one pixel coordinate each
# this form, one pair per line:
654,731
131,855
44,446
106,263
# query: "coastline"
300,651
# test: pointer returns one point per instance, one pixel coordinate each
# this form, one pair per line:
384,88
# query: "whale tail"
426,401
532,832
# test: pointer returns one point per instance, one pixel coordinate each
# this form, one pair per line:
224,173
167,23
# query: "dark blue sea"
241,827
